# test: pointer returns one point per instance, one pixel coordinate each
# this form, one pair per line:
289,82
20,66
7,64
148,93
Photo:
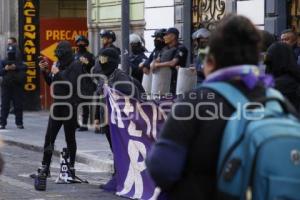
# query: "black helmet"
109,34
160,33
81,38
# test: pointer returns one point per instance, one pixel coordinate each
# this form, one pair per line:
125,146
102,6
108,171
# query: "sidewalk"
92,149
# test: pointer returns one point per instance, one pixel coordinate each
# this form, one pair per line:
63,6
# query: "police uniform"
179,52
135,60
12,87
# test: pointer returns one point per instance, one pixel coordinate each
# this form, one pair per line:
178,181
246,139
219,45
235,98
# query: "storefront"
41,27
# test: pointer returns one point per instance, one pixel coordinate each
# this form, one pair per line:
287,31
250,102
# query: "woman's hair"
235,41
280,60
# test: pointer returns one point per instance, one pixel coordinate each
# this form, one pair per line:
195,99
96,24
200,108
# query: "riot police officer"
12,88
173,55
63,110
200,41
159,44
87,86
108,37
137,56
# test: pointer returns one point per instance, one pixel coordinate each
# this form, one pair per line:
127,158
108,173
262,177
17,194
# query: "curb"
101,165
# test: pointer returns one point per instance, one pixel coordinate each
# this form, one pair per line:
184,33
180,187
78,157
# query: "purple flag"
134,126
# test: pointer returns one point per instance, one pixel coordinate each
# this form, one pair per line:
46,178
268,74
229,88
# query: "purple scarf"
248,74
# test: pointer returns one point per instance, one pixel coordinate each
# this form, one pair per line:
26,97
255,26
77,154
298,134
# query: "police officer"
200,41
159,44
87,86
13,71
137,56
173,55
67,70
108,37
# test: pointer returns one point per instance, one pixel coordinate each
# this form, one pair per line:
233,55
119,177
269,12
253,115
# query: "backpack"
259,159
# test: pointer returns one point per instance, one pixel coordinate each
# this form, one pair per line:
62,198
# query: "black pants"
51,134
85,115
14,93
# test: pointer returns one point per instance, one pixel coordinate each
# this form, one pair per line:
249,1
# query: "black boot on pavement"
82,128
20,126
44,169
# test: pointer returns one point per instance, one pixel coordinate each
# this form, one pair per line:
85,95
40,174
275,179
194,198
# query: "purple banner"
134,127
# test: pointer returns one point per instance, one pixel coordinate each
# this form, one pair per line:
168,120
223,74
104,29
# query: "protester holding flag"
183,162
108,61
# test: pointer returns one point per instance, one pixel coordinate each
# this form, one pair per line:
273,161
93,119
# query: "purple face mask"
248,74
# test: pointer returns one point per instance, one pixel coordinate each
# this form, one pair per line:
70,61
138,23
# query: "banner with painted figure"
134,127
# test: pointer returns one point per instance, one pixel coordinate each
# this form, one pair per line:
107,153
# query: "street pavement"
92,149
15,183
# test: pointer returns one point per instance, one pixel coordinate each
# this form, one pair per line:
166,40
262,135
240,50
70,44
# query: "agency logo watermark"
193,105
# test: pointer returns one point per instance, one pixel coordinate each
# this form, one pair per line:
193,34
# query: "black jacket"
86,67
16,77
126,89
70,74
88,87
135,60
289,86
183,162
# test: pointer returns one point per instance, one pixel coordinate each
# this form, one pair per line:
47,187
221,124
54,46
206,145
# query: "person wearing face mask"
12,70
173,55
68,70
137,56
108,61
108,37
159,44
200,41
87,86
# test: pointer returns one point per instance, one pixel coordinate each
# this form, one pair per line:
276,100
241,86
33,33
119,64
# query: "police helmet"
201,33
109,34
81,38
135,38
159,33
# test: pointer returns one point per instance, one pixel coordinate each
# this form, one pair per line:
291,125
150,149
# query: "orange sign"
55,30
